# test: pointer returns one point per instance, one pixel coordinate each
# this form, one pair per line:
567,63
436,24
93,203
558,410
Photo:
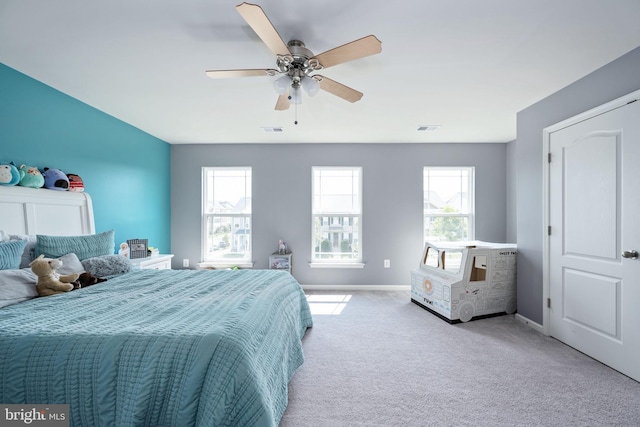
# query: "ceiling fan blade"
338,89
260,23
360,48
224,74
283,102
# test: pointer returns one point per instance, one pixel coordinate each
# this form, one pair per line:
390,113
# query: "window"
226,217
337,216
479,269
449,259
448,204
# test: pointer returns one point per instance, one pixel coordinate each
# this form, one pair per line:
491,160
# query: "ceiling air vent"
425,128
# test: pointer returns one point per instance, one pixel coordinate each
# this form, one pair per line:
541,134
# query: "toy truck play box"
461,281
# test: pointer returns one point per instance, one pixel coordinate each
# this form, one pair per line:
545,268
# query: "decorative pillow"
11,254
29,253
17,286
70,264
87,246
107,265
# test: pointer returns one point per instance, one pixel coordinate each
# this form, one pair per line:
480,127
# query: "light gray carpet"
384,361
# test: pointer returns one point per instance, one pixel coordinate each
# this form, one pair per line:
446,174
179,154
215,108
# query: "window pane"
228,237
228,190
336,190
432,258
446,228
336,238
452,260
446,190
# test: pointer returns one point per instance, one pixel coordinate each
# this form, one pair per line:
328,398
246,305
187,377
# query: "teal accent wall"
125,170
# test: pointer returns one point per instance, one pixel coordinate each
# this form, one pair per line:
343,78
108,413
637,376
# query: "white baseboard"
530,323
351,288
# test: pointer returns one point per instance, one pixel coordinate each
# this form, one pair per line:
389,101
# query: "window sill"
337,264
216,265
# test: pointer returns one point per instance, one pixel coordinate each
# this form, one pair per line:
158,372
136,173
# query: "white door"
594,215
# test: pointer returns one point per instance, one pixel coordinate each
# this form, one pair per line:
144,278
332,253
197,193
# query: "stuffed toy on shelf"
30,176
9,174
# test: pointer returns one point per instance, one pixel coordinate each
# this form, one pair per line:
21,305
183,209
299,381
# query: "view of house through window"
337,211
448,204
226,203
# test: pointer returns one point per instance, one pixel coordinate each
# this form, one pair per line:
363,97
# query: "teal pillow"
11,254
86,246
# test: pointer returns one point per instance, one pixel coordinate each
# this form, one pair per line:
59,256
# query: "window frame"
219,262
469,216
317,262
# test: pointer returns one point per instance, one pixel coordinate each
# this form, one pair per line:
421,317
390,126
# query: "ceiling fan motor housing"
299,63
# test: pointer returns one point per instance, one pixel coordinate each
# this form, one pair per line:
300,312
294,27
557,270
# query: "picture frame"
138,248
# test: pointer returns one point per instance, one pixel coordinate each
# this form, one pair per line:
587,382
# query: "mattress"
159,348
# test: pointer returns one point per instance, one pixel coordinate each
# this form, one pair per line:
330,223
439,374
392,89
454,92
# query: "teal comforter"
159,348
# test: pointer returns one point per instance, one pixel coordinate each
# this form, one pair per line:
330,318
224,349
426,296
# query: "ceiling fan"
297,64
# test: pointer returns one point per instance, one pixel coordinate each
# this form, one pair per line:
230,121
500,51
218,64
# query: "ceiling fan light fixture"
310,85
295,95
281,85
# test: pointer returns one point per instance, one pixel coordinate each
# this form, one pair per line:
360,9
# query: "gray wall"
612,81
392,200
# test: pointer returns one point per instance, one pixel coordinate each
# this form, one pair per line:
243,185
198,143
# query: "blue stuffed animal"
9,174
30,177
55,179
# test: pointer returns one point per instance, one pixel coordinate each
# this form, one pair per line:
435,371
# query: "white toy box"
461,281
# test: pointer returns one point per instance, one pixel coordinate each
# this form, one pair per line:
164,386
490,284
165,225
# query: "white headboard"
26,210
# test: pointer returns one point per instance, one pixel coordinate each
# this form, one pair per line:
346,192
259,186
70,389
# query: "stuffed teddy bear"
9,174
50,282
87,279
30,177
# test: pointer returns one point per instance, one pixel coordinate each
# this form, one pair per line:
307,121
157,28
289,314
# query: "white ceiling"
468,65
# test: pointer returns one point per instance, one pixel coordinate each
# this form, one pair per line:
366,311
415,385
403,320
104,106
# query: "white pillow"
17,286
20,285
70,264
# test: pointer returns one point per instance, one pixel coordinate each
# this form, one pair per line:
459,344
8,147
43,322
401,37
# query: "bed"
150,347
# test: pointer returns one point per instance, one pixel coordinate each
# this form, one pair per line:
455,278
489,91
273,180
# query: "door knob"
630,254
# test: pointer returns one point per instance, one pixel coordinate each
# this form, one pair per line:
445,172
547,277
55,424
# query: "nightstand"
157,262
279,261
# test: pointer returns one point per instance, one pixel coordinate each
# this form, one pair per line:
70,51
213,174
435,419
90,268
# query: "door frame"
546,149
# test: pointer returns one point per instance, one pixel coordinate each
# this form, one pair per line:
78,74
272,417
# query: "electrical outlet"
387,263
185,262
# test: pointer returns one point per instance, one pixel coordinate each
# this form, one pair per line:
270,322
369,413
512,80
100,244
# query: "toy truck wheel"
466,312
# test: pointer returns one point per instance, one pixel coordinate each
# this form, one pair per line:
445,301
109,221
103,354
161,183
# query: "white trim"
359,215
530,323
337,264
204,216
351,288
546,141
546,149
